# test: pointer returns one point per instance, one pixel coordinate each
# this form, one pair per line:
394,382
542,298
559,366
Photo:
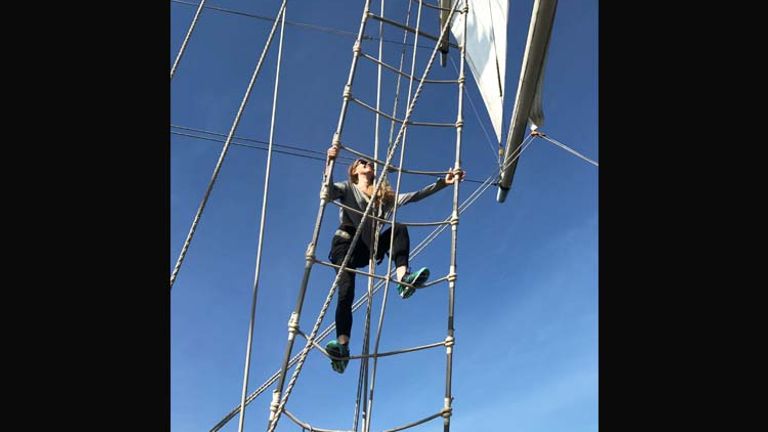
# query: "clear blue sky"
526,354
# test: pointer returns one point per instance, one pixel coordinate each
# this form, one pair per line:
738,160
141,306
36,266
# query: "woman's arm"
337,190
438,185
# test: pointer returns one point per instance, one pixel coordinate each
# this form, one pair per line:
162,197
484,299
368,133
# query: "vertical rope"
362,381
449,340
363,375
385,296
246,372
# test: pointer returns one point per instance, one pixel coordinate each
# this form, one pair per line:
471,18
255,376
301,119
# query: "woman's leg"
346,285
401,248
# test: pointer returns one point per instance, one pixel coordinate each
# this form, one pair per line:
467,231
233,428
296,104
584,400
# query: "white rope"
568,149
186,38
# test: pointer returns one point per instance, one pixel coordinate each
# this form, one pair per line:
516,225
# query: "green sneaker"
416,279
336,349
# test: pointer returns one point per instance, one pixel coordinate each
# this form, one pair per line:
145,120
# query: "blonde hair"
385,195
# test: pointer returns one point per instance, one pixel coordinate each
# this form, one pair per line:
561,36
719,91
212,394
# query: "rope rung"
377,355
392,68
330,264
391,167
431,6
307,426
385,221
435,282
383,278
407,28
416,423
395,119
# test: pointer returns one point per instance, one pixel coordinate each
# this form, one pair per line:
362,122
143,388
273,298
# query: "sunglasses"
363,162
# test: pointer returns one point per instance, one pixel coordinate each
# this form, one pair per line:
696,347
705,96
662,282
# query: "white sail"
487,52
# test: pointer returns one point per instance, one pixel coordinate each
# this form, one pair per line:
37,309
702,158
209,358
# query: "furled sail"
528,99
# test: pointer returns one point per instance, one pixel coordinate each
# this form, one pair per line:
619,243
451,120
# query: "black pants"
359,258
